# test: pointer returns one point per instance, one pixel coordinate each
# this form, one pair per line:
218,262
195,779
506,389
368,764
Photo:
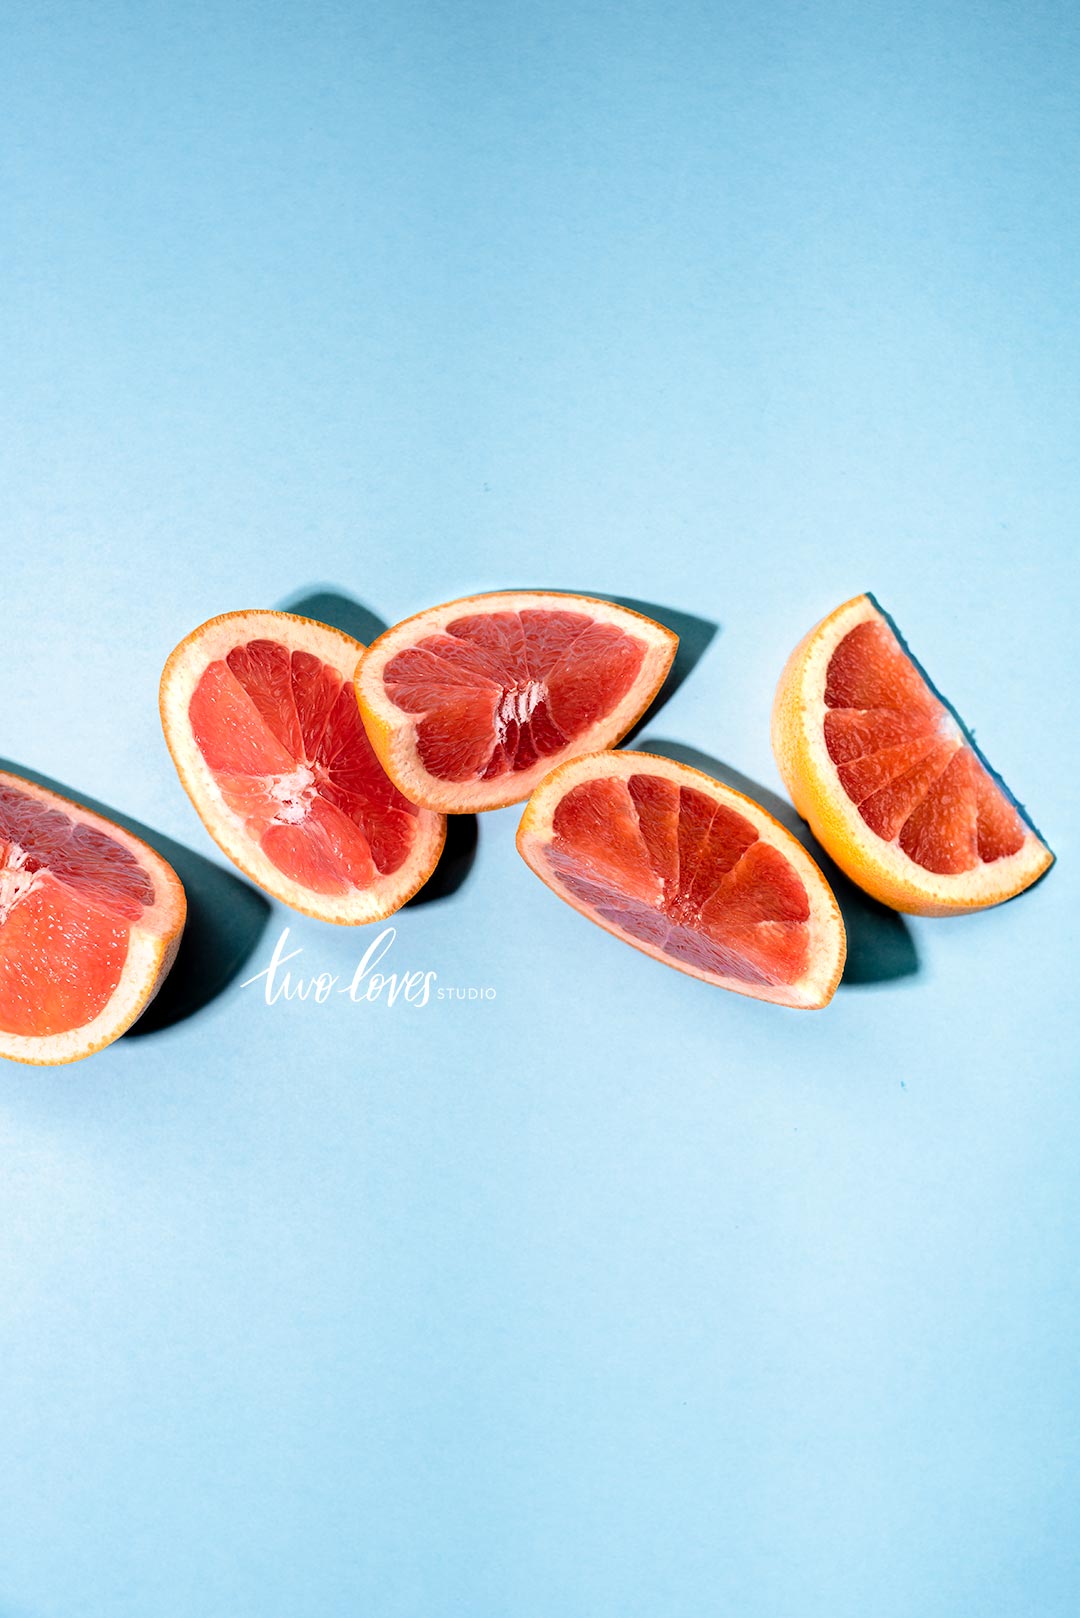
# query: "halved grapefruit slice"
695,874
261,721
469,704
90,922
887,777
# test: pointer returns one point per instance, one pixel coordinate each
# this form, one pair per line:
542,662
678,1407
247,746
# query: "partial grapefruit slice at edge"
688,871
471,703
90,923
261,720
889,780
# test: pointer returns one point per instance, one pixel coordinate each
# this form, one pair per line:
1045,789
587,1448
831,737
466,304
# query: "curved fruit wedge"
689,871
887,778
468,705
261,721
90,922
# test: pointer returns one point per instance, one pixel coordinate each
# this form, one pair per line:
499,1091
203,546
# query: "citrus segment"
90,920
471,703
689,871
261,718
886,777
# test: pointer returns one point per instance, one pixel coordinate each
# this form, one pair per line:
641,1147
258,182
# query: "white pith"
16,882
213,641
827,942
964,890
517,706
294,793
152,944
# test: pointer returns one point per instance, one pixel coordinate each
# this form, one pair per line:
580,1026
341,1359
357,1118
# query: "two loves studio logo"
369,984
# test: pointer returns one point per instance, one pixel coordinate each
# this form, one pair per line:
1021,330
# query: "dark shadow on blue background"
225,917
330,606
880,945
455,861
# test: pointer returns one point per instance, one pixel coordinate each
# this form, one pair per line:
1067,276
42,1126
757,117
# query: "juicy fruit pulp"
668,865
494,692
280,731
903,760
885,776
69,896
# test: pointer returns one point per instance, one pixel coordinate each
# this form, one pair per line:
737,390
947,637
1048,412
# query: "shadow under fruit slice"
691,872
470,704
887,778
90,922
261,720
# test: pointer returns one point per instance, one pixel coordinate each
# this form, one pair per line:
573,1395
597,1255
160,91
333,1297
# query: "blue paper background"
614,1296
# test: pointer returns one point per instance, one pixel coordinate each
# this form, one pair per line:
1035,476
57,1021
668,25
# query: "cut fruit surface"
687,870
260,716
887,778
90,922
470,704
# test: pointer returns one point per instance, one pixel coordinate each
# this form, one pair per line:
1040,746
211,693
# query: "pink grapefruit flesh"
90,919
903,760
261,717
887,778
693,873
470,704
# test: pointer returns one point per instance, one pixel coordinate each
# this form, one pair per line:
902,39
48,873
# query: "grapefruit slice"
261,721
887,777
469,704
90,922
687,870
